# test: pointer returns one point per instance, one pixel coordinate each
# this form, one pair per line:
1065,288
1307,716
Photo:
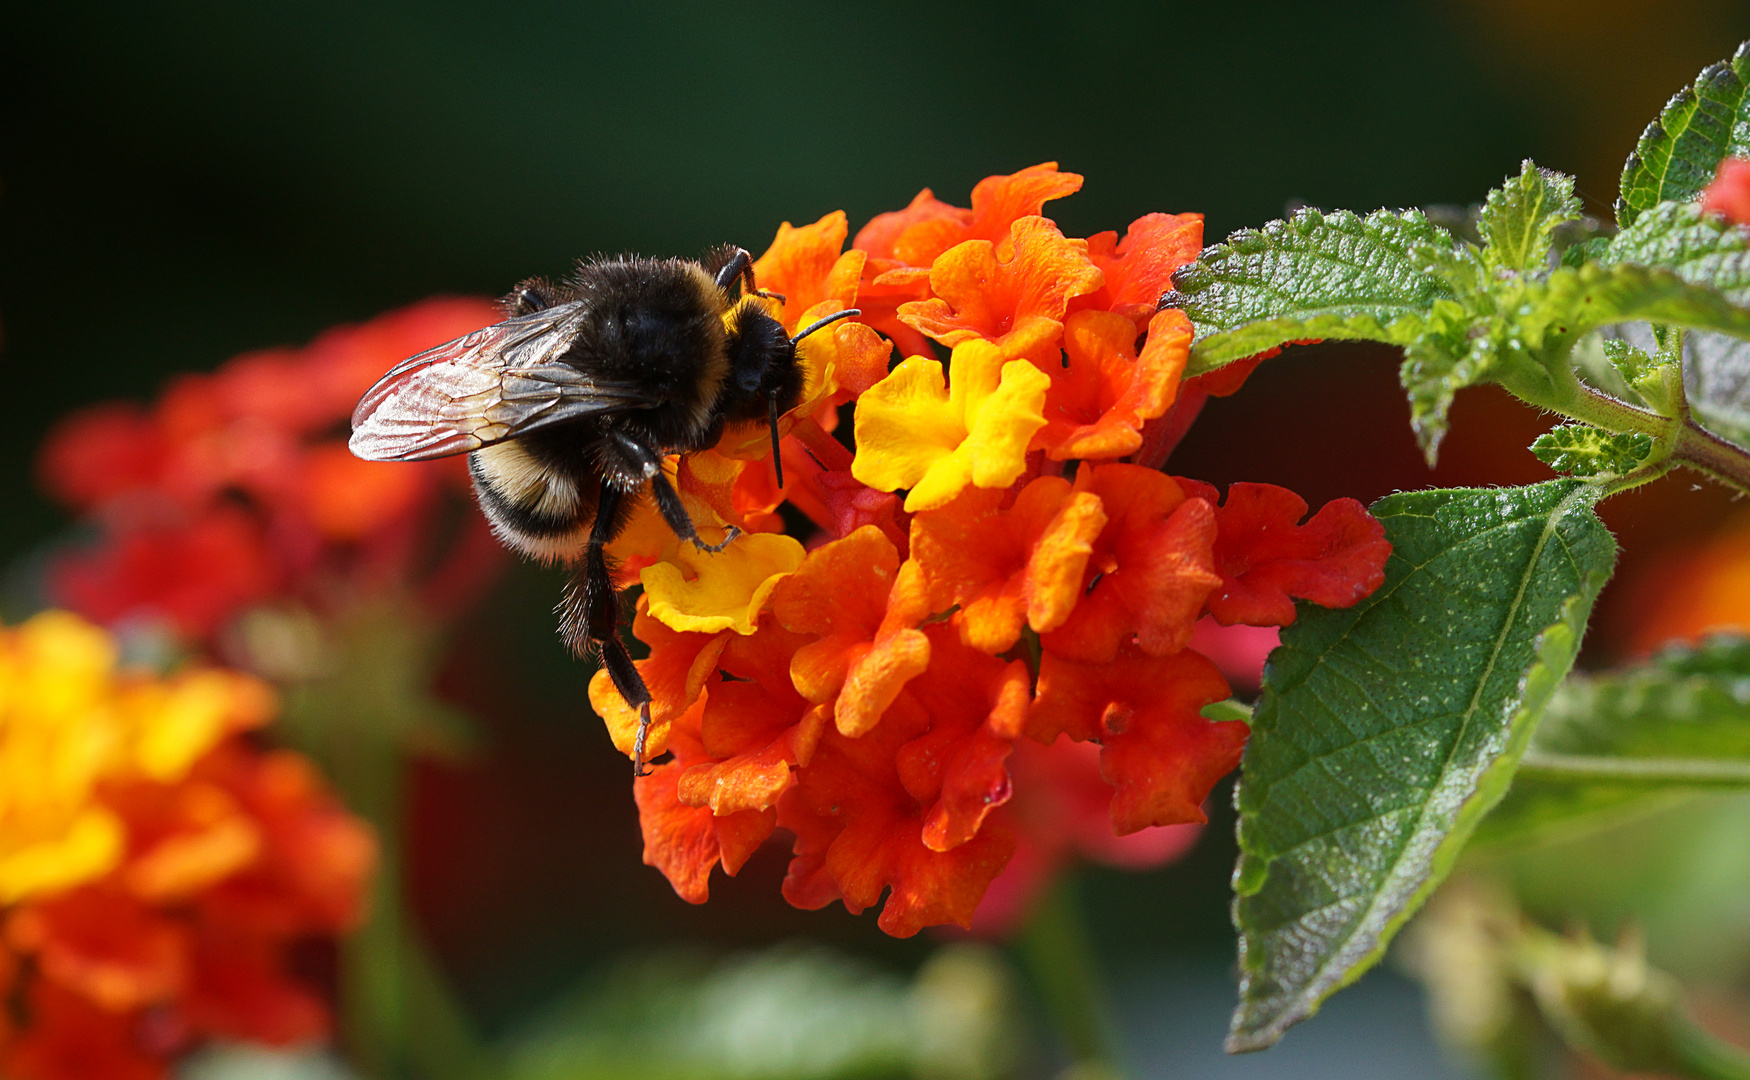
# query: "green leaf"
1717,377
1631,363
1591,249
1519,217
1576,300
1699,248
1316,275
1445,359
1679,151
1583,450
1387,730
1689,704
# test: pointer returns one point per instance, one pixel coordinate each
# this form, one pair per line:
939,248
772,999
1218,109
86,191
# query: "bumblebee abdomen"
536,506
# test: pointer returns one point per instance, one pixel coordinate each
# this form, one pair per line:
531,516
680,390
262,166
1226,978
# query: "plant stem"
1702,450
1681,438
1595,407
1673,772
399,1018
1055,947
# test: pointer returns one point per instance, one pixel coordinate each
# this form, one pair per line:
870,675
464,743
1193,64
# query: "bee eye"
528,300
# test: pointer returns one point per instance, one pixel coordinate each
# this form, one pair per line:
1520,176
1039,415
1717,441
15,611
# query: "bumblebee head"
764,370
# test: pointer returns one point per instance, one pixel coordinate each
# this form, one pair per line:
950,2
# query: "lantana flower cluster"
235,490
1001,571
159,874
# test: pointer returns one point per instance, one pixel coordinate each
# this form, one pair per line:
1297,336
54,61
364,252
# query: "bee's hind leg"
590,616
668,500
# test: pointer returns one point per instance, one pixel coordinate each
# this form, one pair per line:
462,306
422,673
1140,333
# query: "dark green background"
180,183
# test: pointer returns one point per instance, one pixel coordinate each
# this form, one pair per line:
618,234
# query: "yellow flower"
916,431
69,722
693,590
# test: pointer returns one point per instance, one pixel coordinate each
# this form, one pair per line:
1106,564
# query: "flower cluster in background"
226,521
235,489
1002,579
159,873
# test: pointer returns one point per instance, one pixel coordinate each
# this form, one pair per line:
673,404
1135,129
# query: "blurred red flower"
1729,194
236,487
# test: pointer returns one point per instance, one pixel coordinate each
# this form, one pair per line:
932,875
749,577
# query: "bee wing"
484,387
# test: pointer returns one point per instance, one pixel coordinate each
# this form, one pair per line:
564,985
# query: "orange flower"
904,806
876,699
806,267
224,858
864,607
71,1038
1104,393
1265,559
675,671
734,751
687,842
1013,293
1139,268
1729,194
919,234
192,574
235,487
1150,570
1061,811
105,946
1006,567
903,244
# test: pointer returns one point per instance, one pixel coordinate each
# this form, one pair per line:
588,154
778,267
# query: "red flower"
1266,560
1729,194
237,486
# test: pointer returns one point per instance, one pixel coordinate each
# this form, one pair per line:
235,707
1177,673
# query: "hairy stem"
1680,438
1702,450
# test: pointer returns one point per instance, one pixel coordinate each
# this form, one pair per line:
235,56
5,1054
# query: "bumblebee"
567,408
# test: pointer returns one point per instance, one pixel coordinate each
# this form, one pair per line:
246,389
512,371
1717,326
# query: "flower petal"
1013,294
1158,752
702,592
1266,561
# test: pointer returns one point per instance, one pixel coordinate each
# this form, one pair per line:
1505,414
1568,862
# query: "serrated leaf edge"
1491,786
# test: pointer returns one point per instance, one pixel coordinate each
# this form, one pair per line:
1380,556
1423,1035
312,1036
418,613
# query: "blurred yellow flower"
70,722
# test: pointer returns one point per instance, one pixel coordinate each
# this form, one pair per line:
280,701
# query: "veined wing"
497,382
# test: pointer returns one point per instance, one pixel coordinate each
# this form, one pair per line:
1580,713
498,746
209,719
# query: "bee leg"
668,500
740,265
592,616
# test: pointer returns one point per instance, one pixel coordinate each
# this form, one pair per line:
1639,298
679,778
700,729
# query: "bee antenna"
848,313
777,457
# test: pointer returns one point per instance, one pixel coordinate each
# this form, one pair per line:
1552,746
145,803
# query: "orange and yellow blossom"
994,587
153,861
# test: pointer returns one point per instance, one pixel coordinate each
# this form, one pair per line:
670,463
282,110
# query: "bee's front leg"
668,500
